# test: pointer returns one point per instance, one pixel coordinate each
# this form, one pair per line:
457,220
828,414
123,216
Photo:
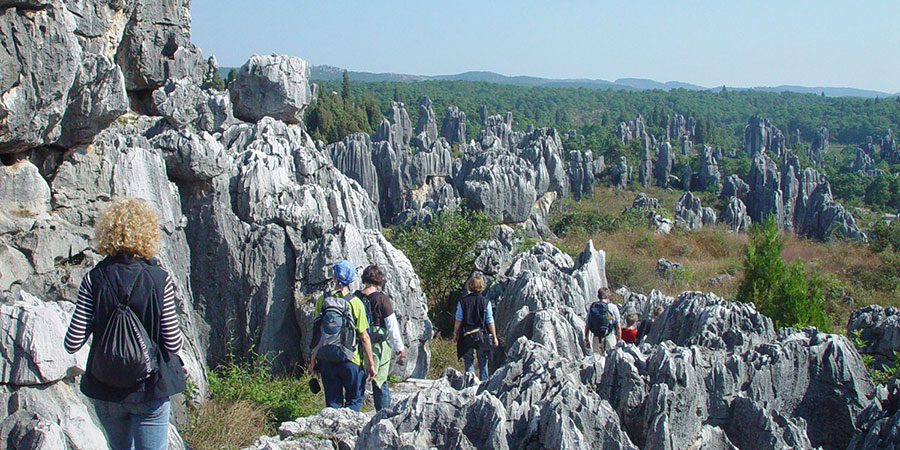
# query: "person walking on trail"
339,329
383,325
603,322
128,302
474,328
629,333
647,324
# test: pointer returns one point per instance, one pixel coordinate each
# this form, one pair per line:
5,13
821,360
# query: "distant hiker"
339,329
128,302
646,324
603,322
474,328
382,324
629,333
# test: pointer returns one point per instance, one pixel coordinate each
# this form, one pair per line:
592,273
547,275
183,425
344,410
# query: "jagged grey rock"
644,203
23,191
39,61
275,86
155,44
765,197
581,173
645,168
620,173
353,157
31,353
453,127
426,128
677,127
689,212
879,423
735,215
666,269
185,106
192,157
819,146
330,428
890,151
865,165
14,267
664,160
879,329
734,186
708,176
97,97
761,135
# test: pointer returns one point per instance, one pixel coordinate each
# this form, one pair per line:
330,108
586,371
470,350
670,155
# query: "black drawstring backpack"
125,356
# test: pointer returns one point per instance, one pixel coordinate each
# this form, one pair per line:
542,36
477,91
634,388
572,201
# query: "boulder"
275,86
14,267
708,176
330,428
644,203
190,156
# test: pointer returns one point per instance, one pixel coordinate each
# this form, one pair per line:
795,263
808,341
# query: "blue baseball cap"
344,271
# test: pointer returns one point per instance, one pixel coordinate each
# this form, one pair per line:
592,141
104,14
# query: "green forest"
345,107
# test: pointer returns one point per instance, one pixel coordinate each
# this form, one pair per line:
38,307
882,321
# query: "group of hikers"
603,326
128,303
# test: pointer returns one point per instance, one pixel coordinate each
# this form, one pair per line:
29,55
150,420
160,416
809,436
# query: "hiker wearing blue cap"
340,328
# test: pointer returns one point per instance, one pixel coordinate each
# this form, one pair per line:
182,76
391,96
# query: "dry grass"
847,269
226,425
443,355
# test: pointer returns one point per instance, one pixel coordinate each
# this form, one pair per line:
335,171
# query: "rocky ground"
103,99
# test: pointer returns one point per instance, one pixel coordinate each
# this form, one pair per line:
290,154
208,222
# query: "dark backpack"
600,318
125,355
376,334
334,336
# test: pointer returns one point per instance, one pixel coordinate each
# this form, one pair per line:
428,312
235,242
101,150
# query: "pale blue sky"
710,43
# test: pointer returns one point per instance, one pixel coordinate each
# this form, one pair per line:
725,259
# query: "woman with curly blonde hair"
134,412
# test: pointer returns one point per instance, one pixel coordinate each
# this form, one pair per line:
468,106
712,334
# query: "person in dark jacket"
474,328
127,233
646,324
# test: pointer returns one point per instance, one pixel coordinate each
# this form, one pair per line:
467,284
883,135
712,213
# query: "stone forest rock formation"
101,99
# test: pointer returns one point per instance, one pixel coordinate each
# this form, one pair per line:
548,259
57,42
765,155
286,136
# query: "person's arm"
169,331
393,328
457,322
618,331
489,321
80,326
367,350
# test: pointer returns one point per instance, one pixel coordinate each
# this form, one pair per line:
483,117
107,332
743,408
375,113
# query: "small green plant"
784,293
443,355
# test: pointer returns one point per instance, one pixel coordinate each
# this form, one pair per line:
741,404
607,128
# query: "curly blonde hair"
127,225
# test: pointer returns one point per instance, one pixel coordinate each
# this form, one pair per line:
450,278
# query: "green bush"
443,254
784,293
884,236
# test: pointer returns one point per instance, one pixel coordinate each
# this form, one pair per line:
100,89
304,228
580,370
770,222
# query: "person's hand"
496,342
370,371
455,337
401,354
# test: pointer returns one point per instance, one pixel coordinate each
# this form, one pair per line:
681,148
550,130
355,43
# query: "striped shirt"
81,326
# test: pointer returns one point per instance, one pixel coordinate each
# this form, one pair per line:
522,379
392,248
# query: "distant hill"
326,73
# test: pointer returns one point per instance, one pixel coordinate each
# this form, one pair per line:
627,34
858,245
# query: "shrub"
784,293
883,236
443,254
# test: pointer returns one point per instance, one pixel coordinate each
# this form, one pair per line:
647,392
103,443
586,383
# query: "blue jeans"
469,361
139,426
381,396
344,384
